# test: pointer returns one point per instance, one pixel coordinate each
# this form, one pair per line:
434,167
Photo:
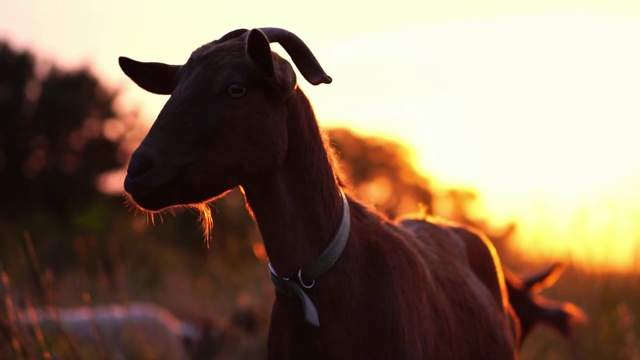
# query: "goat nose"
139,165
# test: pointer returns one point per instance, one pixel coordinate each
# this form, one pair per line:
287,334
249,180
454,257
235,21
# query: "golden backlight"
536,114
590,221
533,105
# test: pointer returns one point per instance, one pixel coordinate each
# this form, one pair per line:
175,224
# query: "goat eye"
237,91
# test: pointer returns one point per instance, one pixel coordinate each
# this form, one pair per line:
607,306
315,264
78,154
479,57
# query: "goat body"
409,290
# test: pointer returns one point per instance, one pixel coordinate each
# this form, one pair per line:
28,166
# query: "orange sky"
534,103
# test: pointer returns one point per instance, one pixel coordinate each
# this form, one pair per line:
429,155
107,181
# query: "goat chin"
203,209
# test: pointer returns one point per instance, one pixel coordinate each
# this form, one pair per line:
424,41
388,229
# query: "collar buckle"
325,261
313,282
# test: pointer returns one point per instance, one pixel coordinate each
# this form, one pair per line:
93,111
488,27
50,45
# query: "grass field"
210,286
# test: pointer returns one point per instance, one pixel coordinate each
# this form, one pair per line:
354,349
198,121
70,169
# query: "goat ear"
157,78
259,51
543,279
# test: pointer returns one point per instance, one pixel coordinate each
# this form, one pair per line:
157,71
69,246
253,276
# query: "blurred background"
519,118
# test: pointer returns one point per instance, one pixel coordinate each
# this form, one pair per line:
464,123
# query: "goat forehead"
214,62
216,66
218,51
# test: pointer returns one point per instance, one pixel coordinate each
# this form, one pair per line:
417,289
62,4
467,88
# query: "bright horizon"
534,106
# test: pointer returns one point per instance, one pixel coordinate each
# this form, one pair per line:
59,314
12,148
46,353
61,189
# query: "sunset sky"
534,104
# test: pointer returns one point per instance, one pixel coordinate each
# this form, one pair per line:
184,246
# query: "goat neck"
297,206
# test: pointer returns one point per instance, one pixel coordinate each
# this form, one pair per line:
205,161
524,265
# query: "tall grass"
200,291
210,287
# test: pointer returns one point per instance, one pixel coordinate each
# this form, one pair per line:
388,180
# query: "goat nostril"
139,165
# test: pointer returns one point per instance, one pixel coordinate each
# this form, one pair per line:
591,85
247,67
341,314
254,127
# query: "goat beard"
204,211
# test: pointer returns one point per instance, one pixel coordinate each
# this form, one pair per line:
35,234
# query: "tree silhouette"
16,70
52,144
52,148
381,174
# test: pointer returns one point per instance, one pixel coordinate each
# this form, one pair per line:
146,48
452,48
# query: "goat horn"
300,54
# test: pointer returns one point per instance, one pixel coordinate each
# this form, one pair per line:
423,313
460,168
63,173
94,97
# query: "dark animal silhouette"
533,309
213,338
121,328
113,326
350,283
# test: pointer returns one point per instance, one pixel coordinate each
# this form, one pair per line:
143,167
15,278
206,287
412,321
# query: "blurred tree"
16,71
53,145
381,174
